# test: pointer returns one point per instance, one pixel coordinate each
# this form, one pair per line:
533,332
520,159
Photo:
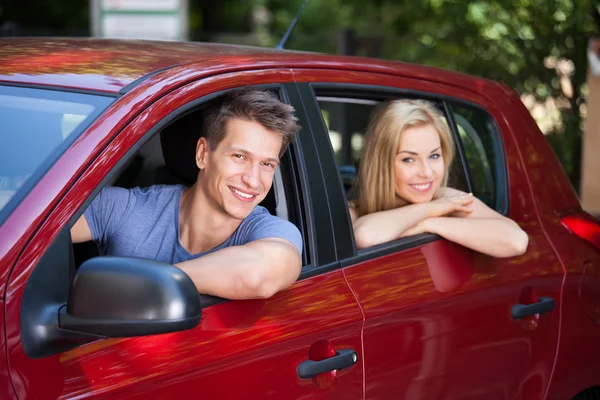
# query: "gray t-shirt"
145,223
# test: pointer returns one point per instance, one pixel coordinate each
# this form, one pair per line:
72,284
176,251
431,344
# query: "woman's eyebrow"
416,154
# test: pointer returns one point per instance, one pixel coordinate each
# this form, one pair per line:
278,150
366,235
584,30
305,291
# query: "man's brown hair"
248,104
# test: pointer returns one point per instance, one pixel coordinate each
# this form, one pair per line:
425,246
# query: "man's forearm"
255,270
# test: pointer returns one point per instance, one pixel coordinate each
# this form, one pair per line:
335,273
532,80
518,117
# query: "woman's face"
418,167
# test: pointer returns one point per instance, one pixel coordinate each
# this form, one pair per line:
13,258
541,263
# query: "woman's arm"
483,230
384,226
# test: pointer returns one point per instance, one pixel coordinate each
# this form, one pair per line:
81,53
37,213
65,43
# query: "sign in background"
140,19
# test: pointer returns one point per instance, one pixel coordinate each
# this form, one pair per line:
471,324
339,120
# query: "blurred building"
140,19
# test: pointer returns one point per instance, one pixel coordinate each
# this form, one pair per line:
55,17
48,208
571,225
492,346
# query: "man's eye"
239,156
268,164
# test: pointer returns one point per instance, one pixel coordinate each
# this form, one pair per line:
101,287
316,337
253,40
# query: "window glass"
347,121
477,134
34,123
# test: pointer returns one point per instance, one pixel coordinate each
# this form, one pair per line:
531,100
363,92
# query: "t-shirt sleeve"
107,212
269,226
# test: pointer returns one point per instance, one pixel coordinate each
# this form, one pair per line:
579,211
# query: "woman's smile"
422,187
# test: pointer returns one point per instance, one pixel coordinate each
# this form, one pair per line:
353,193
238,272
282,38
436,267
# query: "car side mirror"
121,297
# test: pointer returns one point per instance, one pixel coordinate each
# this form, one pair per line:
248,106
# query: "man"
213,231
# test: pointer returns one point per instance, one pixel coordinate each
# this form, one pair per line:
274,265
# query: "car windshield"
34,123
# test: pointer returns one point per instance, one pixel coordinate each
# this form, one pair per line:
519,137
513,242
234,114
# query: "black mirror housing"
121,297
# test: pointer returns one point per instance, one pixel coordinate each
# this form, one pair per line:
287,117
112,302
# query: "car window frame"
348,254
61,247
500,204
303,156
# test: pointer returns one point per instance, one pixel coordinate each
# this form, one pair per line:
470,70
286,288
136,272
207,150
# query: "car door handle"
343,359
543,305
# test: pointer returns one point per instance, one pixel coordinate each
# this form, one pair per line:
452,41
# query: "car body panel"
111,65
437,316
6,388
274,334
578,358
240,347
104,65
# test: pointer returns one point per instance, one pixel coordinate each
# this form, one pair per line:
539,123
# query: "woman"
401,187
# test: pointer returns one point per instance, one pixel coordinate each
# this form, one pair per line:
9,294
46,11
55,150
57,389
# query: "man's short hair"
260,106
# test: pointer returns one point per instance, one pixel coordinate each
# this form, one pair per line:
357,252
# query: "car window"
478,165
35,123
477,133
167,157
347,119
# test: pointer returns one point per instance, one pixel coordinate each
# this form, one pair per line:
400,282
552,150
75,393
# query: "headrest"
178,142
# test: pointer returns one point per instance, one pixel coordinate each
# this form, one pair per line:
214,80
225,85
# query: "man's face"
238,174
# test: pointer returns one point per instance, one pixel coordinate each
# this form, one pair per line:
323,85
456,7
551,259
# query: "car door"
438,319
240,349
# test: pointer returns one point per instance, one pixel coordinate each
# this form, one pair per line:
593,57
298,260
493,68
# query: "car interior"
347,119
168,158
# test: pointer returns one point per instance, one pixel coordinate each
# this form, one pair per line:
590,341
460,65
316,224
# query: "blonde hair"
375,188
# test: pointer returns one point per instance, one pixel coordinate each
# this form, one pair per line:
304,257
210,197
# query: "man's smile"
243,195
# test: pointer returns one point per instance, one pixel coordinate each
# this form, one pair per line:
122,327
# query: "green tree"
537,47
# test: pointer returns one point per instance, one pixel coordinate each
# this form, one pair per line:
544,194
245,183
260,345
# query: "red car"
416,318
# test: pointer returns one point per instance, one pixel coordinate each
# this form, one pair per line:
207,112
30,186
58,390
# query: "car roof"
111,65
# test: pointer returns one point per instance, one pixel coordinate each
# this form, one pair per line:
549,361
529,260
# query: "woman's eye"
407,160
434,156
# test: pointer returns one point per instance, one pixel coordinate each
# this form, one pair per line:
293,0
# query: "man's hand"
80,232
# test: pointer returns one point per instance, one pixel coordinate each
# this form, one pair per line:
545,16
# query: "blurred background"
545,49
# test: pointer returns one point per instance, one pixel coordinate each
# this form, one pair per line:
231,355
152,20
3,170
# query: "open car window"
347,119
477,166
167,157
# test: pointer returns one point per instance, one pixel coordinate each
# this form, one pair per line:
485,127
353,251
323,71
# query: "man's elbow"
259,284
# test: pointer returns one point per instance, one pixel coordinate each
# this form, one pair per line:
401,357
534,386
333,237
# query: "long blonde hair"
375,187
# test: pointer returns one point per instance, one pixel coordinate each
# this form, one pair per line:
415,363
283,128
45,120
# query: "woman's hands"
456,206
477,227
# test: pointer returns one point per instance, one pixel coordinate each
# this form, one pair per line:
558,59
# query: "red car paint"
431,321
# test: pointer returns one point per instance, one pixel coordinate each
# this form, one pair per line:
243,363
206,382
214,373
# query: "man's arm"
258,269
80,232
103,216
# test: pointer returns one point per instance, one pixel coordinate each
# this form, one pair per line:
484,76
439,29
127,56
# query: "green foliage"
534,46
537,47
